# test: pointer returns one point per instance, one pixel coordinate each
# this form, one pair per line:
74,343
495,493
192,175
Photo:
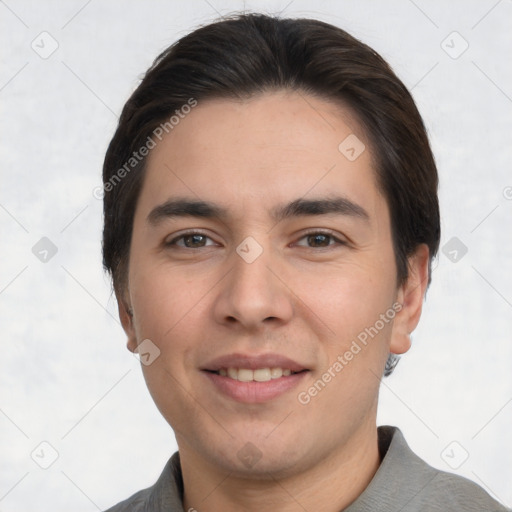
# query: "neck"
329,485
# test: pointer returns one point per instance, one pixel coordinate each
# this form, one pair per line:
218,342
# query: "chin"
257,457
263,464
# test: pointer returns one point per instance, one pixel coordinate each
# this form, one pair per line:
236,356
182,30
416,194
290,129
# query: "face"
263,273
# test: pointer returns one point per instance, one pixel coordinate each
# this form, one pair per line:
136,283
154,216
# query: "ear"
126,317
410,295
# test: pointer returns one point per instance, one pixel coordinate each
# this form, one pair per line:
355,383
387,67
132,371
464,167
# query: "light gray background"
66,377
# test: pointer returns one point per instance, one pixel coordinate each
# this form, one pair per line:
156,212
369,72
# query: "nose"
254,295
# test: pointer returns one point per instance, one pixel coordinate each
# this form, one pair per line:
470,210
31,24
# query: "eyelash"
330,234
334,238
183,235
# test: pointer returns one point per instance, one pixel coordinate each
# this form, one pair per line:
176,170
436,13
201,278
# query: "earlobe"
410,295
126,317
400,343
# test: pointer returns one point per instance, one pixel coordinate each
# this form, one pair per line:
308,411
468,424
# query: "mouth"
257,375
254,379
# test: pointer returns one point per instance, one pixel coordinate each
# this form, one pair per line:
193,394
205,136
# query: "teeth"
262,375
275,373
245,375
259,375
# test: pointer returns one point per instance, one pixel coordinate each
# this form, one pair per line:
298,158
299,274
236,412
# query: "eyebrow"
182,207
174,208
335,205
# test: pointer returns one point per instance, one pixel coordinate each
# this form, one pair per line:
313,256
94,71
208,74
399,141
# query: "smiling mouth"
257,375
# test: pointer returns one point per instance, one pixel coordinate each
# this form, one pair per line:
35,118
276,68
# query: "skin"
297,299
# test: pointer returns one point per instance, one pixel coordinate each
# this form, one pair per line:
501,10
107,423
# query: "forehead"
265,150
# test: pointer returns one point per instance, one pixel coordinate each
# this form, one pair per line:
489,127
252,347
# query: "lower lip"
254,392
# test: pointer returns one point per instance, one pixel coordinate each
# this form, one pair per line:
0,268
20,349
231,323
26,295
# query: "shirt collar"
401,476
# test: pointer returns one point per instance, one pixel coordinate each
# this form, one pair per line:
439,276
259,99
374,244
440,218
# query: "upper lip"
253,362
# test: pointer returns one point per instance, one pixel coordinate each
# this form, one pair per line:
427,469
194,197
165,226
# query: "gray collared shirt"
403,483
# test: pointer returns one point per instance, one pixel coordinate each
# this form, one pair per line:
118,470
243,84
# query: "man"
271,214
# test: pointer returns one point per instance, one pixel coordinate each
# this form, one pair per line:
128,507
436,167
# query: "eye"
193,240
320,240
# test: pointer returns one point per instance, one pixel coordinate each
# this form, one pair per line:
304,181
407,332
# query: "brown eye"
191,241
319,240
194,241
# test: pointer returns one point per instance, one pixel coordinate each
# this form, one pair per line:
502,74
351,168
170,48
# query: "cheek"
348,300
169,312
166,306
356,342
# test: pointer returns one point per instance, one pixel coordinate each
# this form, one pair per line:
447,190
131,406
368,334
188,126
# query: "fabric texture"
403,483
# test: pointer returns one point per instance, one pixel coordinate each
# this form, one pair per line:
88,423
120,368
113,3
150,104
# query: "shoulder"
438,490
405,482
134,503
455,493
165,494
